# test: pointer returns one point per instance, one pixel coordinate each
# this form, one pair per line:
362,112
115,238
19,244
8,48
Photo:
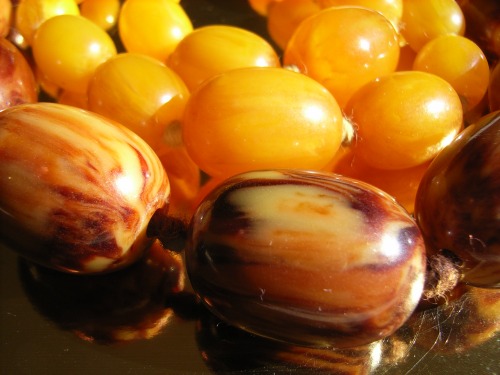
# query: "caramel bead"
308,258
77,190
458,202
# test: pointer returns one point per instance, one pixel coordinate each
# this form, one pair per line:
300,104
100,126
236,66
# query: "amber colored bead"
460,62
215,49
67,49
132,88
184,177
284,16
255,118
343,48
391,9
423,21
402,184
5,17
103,12
30,14
408,132
153,27
308,258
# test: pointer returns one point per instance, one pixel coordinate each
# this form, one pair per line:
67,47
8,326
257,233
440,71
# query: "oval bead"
17,81
77,191
261,118
457,206
309,258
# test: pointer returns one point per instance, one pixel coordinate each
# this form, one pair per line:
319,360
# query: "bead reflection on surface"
120,307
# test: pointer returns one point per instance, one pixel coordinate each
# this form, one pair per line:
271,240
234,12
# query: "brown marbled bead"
309,258
457,205
17,81
77,191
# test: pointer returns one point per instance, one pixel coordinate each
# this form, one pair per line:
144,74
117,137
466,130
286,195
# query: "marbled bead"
77,191
457,205
309,258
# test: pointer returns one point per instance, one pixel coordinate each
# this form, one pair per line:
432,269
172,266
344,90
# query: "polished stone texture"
309,258
77,191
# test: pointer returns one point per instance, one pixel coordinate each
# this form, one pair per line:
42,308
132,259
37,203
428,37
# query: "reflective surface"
43,332
33,341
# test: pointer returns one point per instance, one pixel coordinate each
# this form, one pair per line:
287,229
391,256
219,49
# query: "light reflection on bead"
77,190
302,257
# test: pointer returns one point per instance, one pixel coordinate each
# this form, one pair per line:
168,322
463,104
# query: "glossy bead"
67,49
5,17
423,21
391,9
343,48
406,132
260,6
459,61
483,26
30,14
458,202
131,88
402,184
78,190
17,81
260,118
153,27
103,12
308,258
284,16
215,49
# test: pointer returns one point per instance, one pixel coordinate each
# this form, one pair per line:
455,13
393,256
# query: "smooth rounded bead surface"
458,202
309,258
67,49
261,118
77,190
344,48
215,49
17,81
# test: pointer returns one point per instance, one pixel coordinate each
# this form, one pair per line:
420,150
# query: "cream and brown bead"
310,258
77,190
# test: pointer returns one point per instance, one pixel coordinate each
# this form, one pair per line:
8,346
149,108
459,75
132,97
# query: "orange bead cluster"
371,89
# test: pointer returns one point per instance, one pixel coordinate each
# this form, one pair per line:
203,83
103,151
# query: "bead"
458,202
77,190
308,258
17,81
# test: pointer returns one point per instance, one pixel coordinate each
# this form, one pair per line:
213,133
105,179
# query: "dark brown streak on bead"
145,172
78,234
7,69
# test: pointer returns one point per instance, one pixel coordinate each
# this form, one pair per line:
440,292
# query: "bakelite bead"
309,258
77,191
17,81
457,205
